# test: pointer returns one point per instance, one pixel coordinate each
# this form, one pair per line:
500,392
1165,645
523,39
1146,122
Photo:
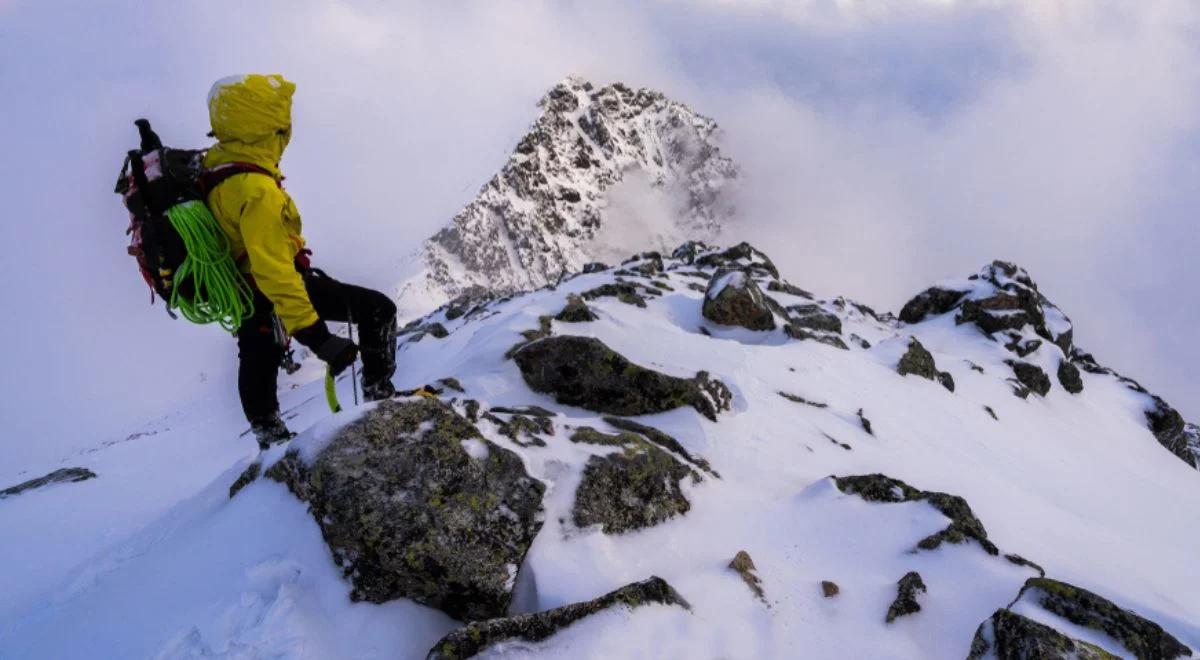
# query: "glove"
337,352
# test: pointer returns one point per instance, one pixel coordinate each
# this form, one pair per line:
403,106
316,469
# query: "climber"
251,120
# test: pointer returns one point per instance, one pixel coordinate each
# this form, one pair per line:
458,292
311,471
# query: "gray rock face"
1031,376
582,371
635,488
1143,638
1069,378
479,636
1010,636
906,603
60,476
414,503
917,360
733,298
963,526
539,216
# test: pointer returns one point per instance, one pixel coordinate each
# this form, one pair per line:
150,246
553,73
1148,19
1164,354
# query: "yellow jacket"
252,120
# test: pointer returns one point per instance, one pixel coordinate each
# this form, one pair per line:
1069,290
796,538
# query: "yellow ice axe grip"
331,392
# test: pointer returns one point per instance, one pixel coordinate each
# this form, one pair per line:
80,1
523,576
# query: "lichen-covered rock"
479,636
576,311
1009,636
1031,376
631,489
917,360
415,503
732,298
743,565
60,476
661,439
582,371
906,603
1069,377
1144,638
963,523
931,301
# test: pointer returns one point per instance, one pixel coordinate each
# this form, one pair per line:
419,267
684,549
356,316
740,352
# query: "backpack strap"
212,178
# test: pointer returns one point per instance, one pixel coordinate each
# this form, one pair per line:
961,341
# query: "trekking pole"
353,370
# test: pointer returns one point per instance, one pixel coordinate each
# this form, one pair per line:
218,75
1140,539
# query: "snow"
152,559
734,278
475,448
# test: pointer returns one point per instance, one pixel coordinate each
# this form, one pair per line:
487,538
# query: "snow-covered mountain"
596,161
678,456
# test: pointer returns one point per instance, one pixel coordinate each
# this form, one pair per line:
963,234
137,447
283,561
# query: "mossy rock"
482,635
582,371
408,512
631,489
1009,636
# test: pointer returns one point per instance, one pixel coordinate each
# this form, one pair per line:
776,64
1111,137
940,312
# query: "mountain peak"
600,170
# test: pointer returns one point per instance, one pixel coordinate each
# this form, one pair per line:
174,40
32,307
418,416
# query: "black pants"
260,353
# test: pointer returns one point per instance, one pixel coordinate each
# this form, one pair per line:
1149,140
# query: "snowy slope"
592,158
164,564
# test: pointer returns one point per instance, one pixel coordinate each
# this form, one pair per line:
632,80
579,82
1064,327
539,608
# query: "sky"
885,146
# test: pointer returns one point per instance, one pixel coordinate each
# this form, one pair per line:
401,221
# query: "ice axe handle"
150,139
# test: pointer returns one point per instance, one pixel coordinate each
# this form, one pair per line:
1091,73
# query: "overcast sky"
885,145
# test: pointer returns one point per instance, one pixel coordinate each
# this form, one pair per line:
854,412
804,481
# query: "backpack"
181,251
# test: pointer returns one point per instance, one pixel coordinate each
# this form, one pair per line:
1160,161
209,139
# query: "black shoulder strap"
212,178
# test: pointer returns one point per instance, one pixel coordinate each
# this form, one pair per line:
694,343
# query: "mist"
883,149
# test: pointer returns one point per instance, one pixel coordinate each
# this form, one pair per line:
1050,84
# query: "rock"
245,478
991,412
919,362
662,440
582,371
906,596
415,503
1022,346
631,489
1069,377
533,411
1031,376
796,332
522,430
543,331
732,298
829,589
479,636
814,317
779,286
800,399
595,267
963,523
1010,636
742,256
468,303
687,252
1143,638
1000,312
866,423
1171,431
576,311
451,384
60,476
744,566
931,301
627,292
1021,561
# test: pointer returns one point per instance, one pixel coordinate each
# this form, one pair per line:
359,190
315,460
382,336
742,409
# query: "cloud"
886,145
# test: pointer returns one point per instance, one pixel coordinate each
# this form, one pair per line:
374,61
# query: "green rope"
220,293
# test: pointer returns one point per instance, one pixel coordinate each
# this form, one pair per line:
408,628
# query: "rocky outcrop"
60,476
481,635
906,603
963,526
630,293
415,503
1168,427
661,440
917,360
1031,376
1069,377
933,301
631,489
1143,638
814,317
1009,636
582,371
742,256
576,311
733,298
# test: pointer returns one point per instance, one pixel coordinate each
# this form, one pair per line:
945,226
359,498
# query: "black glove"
337,352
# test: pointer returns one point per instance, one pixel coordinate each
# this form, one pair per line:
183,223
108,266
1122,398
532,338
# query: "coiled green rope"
220,293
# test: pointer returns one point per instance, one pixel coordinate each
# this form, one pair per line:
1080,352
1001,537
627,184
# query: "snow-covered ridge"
543,214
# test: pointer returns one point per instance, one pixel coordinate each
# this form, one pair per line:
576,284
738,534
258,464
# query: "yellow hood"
251,118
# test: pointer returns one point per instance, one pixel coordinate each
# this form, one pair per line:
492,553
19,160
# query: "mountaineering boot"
270,431
379,390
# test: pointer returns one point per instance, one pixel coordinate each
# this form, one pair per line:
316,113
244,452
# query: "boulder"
1171,431
963,525
688,251
576,311
829,589
631,489
415,503
1143,638
1009,636
742,256
60,476
1031,376
814,317
917,360
931,301
906,603
479,636
732,298
1069,377
582,371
